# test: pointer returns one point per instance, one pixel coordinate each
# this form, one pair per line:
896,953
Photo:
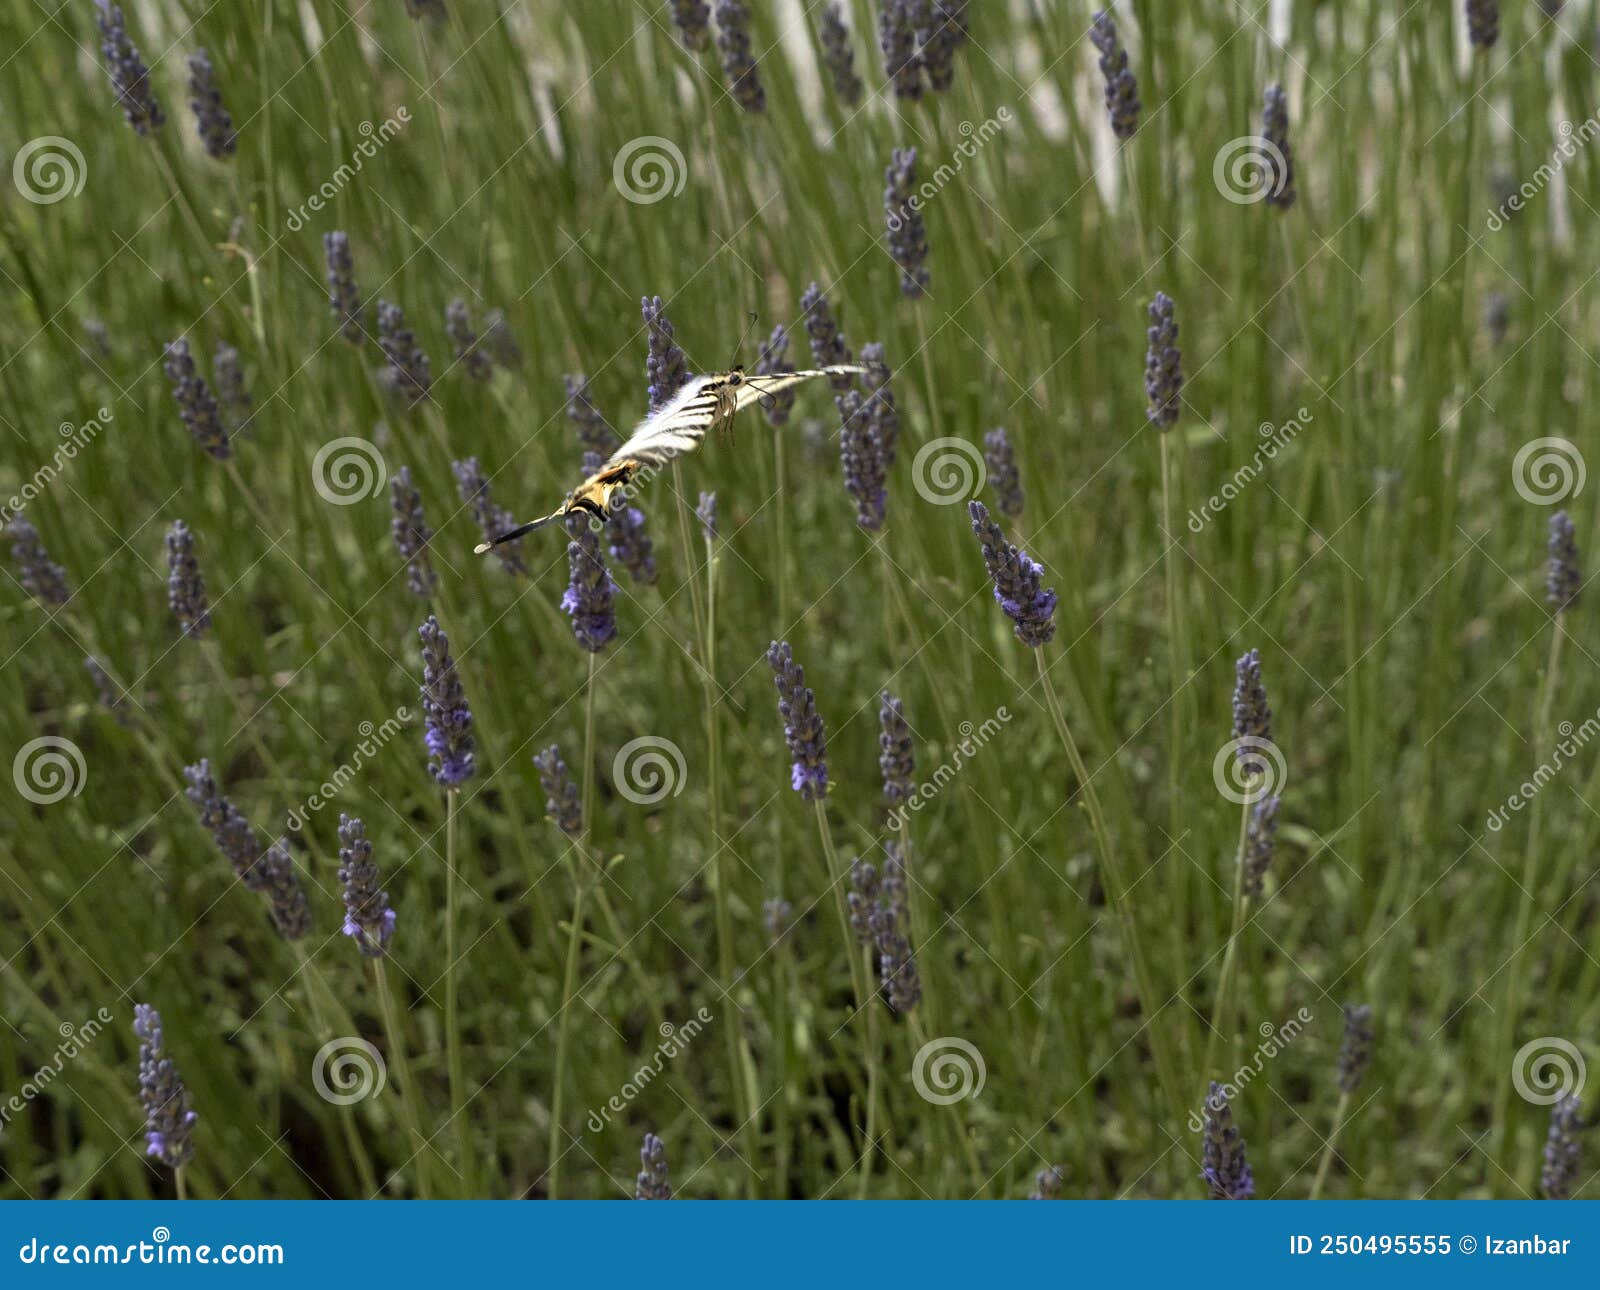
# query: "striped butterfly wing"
754,388
678,428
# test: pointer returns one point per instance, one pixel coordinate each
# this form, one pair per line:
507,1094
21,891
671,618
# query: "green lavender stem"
452,1018
1328,1152
1222,1008
410,1105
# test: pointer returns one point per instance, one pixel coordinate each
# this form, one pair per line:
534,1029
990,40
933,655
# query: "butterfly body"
705,403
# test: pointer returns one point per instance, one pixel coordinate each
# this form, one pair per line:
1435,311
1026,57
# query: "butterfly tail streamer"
511,535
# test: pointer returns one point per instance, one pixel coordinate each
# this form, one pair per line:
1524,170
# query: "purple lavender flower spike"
907,235
343,296
1252,715
1280,155
408,375
1163,363
775,915
286,898
590,589
828,345
563,803
665,364
233,398
802,726
706,513
1355,1050
771,362
205,100
738,63
1047,1184
1483,22
652,1183
593,433
492,520
41,577
1563,578
367,915
499,341
837,56
1560,1170
444,708
944,33
897,965
1018,579
1001,464
862,900
465,342
228,828
691,17
168,1118
629,545
196,404
896,760
411,534
130,78
430,11
865,475
882,411
111,697
1122,90
1261,840
1224,1167
186,587
897,37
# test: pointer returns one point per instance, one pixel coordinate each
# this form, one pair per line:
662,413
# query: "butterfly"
704,404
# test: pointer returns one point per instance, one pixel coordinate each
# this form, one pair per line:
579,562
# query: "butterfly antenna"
749,322
511,535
